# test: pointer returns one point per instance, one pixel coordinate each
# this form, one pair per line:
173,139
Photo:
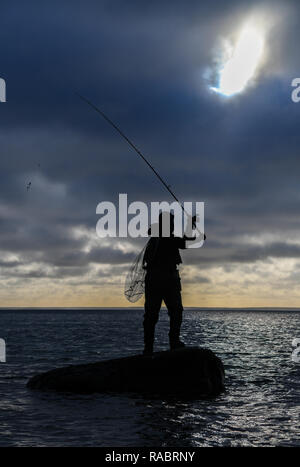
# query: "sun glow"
243,62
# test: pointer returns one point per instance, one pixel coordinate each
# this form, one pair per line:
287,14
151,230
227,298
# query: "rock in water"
189,371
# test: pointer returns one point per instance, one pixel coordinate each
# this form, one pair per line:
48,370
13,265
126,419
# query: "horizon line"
141,308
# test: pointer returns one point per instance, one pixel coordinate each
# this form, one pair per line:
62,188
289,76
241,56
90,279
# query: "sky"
151,67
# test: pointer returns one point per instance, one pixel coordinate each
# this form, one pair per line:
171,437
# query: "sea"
260,407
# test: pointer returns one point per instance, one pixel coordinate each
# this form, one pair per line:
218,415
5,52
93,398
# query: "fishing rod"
87,101
130,143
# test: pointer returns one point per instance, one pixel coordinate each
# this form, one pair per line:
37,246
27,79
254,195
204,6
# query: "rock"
189,371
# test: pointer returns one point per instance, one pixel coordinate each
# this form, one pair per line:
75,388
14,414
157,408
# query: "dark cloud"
143,63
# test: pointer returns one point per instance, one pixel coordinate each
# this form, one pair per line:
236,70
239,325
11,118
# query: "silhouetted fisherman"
162,282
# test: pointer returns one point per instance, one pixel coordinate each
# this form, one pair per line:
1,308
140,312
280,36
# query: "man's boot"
176,344
148,340
174,334
148,350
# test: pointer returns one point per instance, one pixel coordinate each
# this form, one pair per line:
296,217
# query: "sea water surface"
261,405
